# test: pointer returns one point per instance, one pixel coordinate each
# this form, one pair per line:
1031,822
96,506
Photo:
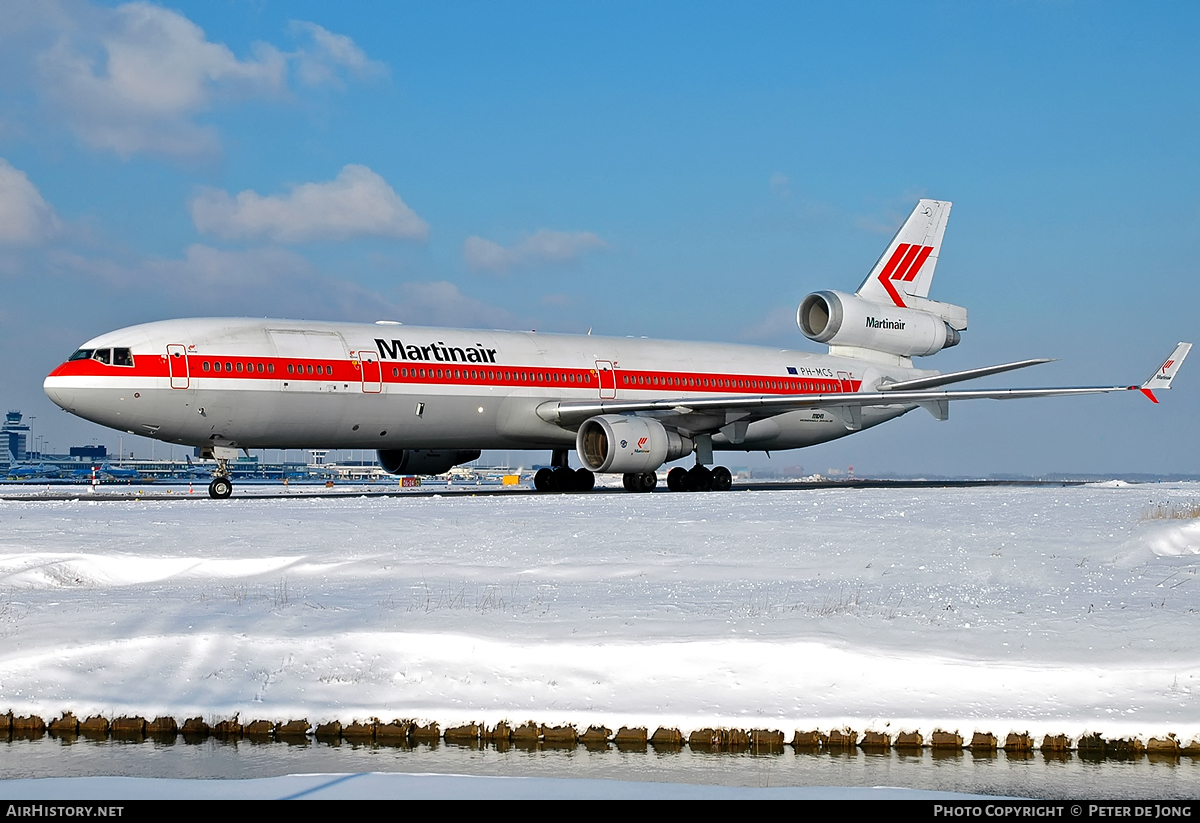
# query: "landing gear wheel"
645,482
585,481
700,479
722,480
562,480
220,488
543,481
677,479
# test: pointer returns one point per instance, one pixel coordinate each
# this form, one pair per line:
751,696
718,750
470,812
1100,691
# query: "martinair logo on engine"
873,323
439,352
641,446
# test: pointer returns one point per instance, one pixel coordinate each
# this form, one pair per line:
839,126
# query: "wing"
700,414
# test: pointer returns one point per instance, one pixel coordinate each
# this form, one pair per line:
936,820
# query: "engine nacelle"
623,443
424,461
841,319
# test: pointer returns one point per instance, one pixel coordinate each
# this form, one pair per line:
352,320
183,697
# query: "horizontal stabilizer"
959,376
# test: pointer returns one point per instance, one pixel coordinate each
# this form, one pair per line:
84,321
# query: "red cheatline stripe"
656,382
918,263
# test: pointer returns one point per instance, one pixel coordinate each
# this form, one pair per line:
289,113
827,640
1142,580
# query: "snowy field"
1059,611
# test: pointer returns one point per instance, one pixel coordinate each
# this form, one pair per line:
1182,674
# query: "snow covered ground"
994,609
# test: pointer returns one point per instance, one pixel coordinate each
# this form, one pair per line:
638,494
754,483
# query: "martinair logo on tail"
1167,365
904,265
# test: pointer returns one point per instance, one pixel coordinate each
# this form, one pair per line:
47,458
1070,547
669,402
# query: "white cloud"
273,282
544,246
776,327
780,185
440,303
318,64
25,216
357,202
135,78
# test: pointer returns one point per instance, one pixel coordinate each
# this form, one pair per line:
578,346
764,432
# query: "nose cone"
61,394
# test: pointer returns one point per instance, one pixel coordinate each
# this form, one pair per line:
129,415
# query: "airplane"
119,472
29,471
193,471
427,399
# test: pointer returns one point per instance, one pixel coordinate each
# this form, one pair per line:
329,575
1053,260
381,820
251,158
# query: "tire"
646,481
677,479
543,481
700,479
585,481
627,480
722,479
220,488
562,480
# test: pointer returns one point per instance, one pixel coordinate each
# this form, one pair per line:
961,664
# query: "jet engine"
624,443
841,319
424,461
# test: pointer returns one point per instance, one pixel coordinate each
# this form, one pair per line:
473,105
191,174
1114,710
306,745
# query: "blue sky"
672,170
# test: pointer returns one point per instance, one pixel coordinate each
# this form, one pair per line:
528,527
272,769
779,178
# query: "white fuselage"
248,383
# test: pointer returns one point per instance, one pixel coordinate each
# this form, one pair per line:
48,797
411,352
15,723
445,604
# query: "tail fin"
903,275
906,267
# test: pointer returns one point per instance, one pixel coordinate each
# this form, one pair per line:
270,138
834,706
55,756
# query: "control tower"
13,437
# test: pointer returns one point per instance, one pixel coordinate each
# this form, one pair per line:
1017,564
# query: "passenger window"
310,368
239,367
291,368
217,366
228,366
205,364
270,368
329,369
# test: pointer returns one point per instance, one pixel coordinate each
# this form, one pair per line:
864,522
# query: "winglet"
1161,379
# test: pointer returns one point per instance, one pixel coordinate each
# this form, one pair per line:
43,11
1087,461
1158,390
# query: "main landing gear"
221,486
563,479
699,479
559,477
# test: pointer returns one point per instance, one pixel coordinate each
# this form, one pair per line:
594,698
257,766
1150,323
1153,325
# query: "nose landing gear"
221,486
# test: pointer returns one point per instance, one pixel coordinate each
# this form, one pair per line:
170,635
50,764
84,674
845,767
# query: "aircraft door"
844,377
177,365
608,380
372,377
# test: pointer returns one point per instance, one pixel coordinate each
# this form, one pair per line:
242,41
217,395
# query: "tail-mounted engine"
622,443
841,319
424,461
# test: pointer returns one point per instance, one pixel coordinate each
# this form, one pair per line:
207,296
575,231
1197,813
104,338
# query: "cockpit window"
82,354
103,355
122,357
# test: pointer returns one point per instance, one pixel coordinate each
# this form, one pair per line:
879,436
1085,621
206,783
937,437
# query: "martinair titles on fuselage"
438,352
